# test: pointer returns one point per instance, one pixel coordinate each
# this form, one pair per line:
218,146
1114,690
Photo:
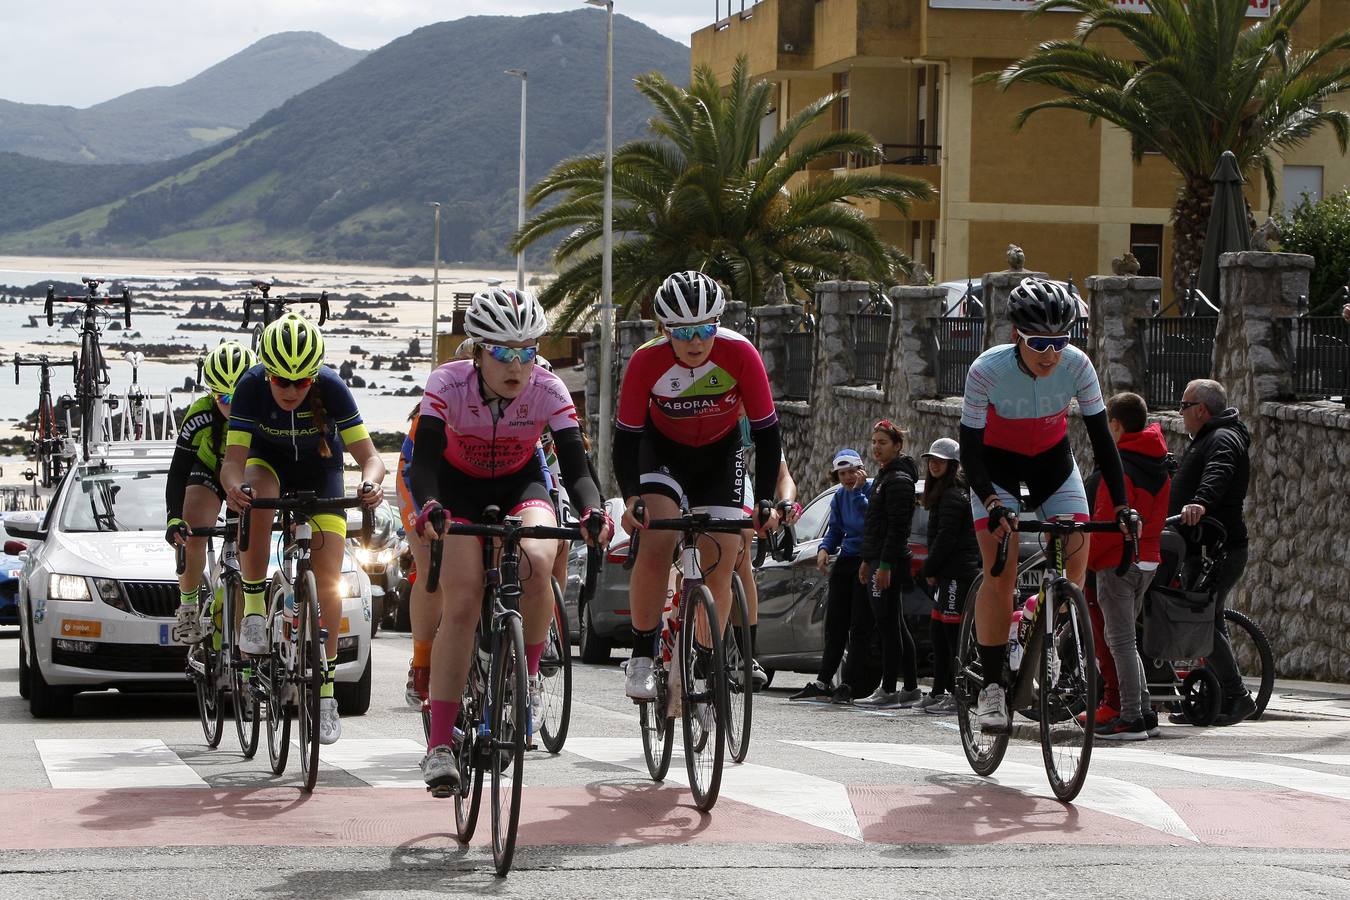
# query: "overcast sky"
81,52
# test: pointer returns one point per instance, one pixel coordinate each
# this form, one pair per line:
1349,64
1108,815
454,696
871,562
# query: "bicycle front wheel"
509,699
555,670
276,689
205,665
470,797
1252,650
984,751
704,685
740,673
1068,689
309,672
247,723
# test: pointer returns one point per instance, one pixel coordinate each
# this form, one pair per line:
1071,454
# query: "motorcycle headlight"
381,557
69,587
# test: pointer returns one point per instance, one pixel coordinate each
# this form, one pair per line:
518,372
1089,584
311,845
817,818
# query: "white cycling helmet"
503,315
687,298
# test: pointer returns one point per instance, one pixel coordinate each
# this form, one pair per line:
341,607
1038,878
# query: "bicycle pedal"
441,791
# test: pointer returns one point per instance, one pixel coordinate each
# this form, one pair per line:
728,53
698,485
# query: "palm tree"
1204,81
700,194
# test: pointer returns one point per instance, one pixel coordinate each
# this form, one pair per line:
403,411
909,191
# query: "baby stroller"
1176,630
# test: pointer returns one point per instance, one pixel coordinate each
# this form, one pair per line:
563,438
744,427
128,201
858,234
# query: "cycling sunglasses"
1041,343
501,354
227,399
280,382
690,332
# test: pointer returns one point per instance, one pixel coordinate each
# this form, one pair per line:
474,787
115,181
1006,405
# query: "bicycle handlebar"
89,300
220,531
1129,552
700,522
306,502
1205,522
781,544
490,527
43,362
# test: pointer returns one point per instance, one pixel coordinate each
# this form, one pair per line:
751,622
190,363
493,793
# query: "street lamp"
607,266
435,283
520,190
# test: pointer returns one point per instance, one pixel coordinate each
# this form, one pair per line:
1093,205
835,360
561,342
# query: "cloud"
76,53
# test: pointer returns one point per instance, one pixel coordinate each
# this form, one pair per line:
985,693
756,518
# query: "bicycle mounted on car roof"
91,374
50,453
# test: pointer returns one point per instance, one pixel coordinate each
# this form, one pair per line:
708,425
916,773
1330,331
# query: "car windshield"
102,500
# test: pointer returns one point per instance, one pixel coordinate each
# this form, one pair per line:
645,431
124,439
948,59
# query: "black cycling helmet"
1041,306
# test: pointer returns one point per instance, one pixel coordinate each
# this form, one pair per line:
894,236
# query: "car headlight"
69,587
367,557
350,586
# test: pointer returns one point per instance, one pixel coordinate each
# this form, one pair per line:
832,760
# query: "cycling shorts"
199,474
465,496
324,481
709,479
1054,484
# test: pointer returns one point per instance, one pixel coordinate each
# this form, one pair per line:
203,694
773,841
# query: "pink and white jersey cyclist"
474,447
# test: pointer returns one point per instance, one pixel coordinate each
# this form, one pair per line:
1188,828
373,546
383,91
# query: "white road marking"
114,763
1326,759
389,762
1309,782
806,798
1108,795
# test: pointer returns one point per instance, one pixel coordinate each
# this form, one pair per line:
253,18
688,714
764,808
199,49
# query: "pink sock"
443,715
533,652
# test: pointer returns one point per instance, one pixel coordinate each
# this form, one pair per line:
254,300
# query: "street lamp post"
607,267
520,190
435,284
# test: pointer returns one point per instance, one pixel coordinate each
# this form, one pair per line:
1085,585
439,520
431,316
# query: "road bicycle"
494,720
91,371
1051,671
215,666
292,673
49,451
691,669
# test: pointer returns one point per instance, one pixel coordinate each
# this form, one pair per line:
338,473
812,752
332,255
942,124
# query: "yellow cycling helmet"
225,364
291,347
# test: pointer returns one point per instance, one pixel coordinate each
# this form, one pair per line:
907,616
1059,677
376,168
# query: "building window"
1301,182
1146,245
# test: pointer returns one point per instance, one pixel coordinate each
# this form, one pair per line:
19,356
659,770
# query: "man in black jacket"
1212,481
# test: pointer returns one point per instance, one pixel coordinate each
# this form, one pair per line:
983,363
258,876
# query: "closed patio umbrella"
1228,231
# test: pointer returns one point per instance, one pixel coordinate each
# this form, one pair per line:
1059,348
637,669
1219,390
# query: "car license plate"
164,634
81,628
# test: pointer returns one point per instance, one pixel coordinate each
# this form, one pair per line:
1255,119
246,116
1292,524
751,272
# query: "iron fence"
1177,350
1321,357
1078,335
871,337
799,348
959,341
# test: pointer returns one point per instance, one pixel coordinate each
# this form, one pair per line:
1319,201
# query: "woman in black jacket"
952,565
886,565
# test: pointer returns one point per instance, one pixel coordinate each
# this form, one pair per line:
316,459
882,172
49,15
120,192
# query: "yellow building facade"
1069,194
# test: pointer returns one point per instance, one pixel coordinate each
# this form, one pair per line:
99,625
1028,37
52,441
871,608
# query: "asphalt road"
125,800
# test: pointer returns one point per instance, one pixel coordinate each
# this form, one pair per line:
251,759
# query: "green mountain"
344,170
160,123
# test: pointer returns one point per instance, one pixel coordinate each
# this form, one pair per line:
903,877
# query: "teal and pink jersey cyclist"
1014,432
677,440
474,446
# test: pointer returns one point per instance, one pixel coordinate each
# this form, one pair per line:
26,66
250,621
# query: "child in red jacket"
1143,453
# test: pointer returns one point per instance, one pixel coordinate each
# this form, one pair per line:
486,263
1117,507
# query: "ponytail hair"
320,414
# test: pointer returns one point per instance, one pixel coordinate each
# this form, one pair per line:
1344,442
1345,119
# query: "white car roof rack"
126,450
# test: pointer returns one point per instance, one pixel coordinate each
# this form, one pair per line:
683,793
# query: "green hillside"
343,171
161,123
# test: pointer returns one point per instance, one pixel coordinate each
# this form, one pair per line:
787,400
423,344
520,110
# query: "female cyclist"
290,423
194,493
676,440
474,447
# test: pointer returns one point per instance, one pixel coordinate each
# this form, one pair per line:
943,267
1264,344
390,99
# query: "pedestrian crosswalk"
852,792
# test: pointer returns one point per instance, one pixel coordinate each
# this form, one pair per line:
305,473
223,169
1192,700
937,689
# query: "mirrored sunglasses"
690,332
501,354
290,382
227,399
1041,342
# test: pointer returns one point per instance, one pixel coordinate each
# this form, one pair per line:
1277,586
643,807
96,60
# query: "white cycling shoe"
187,627
253,635
991,709
641,682
536,703
330,723
440,771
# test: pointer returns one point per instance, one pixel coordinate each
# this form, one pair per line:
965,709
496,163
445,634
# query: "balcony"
774,35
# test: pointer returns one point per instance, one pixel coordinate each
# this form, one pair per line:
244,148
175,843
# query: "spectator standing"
847,600
886,565
1212,481
1143,454
952,565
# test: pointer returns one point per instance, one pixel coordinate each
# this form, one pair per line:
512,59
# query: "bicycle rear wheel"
309,670
470,796
509,699
556,669
983,751
1068,688
704,685
1252,650
740,673
210,710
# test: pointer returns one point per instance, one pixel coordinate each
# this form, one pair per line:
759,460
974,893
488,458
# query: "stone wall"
1297,585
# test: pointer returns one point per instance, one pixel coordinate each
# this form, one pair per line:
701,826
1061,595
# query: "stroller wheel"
1201,696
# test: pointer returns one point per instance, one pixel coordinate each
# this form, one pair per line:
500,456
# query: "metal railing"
870,333
1177,350
959,341
1078,335
799,346
1321,346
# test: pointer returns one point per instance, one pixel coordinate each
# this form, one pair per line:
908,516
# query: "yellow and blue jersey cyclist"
290,424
